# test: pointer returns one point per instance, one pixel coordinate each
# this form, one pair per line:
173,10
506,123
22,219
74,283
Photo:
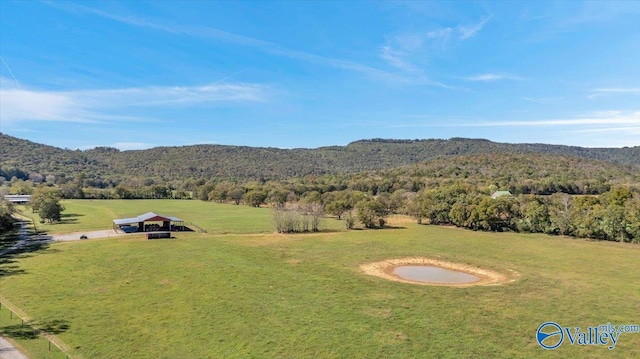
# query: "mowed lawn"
86,215
303,296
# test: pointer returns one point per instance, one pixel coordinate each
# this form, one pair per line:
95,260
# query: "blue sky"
136,74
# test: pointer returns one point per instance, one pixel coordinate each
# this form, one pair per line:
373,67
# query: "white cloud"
221,35
410,41
614,119
541,100
467,32
266,46
619,90
626,129
395,58
440,33
462,32
400,49
181,95
601,129
492,77
613,90
127,146
18,104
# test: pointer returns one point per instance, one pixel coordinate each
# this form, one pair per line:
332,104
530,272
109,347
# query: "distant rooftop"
18,198
498,194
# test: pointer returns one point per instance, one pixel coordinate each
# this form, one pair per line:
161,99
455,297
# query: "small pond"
431,274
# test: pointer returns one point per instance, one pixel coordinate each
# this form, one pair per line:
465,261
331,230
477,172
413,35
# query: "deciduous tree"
51,210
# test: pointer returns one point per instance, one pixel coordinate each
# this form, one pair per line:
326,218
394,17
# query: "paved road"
7,351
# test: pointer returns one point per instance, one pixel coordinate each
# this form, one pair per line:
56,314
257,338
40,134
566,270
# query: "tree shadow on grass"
71,215
377,228
7,268
66,221
29,248
55,326
8,240
33,330
8,259
19,331
10,237
14,245
327,230
69,218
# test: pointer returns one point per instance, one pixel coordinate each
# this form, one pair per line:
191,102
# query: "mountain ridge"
20,156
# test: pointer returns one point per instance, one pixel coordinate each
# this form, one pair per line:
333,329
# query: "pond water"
431,274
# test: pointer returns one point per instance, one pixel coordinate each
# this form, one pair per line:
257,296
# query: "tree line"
552,194
298,206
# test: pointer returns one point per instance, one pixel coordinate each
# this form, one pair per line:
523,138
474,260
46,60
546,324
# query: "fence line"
26,320
200,229
245,230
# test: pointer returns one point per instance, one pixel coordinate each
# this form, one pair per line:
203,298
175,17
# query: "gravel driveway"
90,235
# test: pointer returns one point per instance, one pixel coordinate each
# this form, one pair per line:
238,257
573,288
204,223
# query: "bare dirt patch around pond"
483,277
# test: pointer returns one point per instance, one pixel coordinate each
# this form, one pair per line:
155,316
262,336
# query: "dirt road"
106,233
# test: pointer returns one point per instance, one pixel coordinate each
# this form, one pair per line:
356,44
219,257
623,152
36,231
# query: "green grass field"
86,215
25,338
299,296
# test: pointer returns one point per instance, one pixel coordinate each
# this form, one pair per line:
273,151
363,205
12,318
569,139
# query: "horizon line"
373,140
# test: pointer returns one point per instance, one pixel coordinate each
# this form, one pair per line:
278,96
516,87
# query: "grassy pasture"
300,296
23,337
86,215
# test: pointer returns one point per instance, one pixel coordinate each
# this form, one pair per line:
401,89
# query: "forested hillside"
518,173
21,158
592,193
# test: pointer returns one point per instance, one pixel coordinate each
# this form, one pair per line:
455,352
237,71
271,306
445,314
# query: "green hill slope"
20,158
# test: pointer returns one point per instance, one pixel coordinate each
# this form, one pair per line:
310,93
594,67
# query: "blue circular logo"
550,335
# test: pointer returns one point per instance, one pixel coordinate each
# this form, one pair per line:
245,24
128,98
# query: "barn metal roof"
149,216
18,198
